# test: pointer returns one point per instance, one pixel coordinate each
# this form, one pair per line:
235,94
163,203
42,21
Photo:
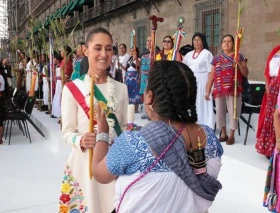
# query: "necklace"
111,105
195,57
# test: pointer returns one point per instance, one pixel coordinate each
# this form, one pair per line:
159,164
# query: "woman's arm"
266,84
276,122
99,166
243,68
70,134
210,83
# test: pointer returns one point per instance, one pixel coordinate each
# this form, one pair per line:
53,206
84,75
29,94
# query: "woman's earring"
151,107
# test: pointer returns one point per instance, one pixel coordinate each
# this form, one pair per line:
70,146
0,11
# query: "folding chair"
252,105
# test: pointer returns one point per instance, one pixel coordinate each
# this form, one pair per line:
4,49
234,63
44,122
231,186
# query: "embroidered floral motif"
72,198
74,139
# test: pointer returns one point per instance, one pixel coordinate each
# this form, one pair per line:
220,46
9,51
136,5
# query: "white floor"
30,174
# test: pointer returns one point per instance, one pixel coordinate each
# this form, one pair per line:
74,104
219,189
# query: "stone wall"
261,24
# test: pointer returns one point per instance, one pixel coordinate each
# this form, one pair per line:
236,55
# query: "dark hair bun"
174,87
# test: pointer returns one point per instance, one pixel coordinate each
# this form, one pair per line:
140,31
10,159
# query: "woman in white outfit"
56,108
199,61
79,193
122,61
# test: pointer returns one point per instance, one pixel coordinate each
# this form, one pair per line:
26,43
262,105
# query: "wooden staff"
178,35
238,37
154,20
91,119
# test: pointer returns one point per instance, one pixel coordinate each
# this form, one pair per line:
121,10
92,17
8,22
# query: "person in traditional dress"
20,70
172,184
276,122
167,50
265,133
45,86
121,63
145,62
28,75
199,61
66,66
80,193
77,64
132,78
32,70
222,76
56,104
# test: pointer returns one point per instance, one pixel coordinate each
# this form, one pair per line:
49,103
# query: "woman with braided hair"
172,163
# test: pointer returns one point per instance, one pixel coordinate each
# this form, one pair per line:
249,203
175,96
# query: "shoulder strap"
80,98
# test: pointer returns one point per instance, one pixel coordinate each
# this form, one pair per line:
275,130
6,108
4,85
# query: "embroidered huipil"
161,190
224,75
78,193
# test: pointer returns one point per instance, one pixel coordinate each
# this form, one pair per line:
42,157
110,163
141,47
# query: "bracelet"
278,140
102,136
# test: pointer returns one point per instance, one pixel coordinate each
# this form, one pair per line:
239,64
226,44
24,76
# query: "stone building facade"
214,18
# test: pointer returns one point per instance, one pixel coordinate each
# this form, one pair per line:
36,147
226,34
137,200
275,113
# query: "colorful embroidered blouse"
130,153
145,69
224,75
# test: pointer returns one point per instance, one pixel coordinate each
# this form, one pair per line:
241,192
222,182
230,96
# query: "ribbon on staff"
178,35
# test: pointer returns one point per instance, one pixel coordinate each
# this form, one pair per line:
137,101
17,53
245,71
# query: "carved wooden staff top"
154,20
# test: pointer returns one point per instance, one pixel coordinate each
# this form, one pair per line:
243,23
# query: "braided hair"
174,87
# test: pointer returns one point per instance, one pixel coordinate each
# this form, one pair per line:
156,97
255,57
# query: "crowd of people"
176,157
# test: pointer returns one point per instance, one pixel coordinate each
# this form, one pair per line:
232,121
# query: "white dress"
201,66
86,194
123,59
56,105
45,86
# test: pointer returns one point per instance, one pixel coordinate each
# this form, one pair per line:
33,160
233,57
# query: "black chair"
21,117
252,105
19,103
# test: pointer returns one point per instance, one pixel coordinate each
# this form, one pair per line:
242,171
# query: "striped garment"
224,75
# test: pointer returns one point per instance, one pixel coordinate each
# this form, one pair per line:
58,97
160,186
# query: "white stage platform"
30,174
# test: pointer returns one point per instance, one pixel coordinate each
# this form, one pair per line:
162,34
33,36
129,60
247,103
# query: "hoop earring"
151,107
